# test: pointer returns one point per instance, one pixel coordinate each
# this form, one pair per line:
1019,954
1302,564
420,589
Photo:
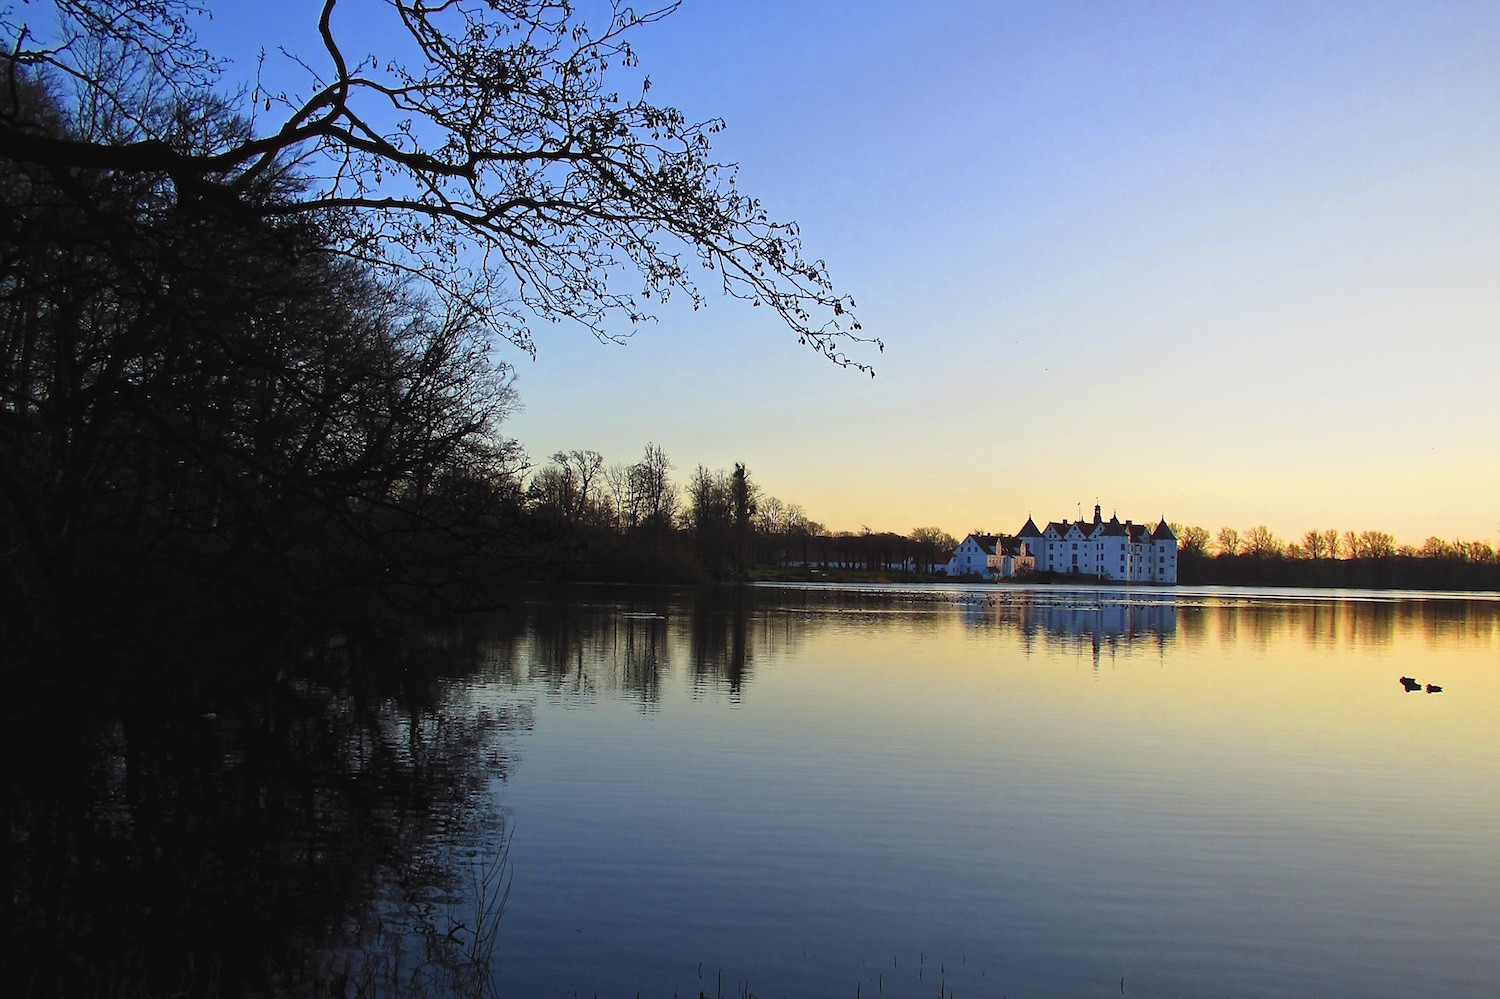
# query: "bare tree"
1332,543
554,489
1261,543
1228,541
710,513
932,542
1349,543
1435,547
583,469
1193,539
654,496
486,156
770,516
1375,544
618,481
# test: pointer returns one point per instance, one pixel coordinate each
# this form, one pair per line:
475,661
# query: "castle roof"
1111,528
986,542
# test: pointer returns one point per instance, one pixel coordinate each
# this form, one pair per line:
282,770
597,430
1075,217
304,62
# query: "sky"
1230,264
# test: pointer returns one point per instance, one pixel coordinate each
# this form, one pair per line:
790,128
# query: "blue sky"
1237,264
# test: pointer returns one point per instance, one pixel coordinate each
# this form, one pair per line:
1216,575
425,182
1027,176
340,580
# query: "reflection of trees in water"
287,844
720,630
1261,622
1192,624
1450,622
1367,624
1320,624
584,649
605,643
1332,622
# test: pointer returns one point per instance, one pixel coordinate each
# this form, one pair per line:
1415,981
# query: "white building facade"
990,556
1104,549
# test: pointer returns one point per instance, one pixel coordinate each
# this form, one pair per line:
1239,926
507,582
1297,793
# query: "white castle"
1103,549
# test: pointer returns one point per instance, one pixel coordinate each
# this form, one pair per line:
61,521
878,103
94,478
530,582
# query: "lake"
817,791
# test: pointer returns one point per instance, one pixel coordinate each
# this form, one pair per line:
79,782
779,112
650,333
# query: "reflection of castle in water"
1101,620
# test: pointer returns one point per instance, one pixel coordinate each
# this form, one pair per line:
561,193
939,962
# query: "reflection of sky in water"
1042,791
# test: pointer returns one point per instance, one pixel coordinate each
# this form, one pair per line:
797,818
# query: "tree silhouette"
1259,542
485,156
1193,539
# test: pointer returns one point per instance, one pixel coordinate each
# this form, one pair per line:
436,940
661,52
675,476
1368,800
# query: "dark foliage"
1388,572
188,405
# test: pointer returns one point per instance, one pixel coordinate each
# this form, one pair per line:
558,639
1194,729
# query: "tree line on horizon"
1329,557
635,521
1261,542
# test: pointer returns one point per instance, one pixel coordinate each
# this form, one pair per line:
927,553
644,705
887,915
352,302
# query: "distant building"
990,556
1128,552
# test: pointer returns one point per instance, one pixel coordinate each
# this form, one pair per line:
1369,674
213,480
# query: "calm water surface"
984,791
1002,792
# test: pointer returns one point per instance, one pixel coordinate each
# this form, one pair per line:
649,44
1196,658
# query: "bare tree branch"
489,156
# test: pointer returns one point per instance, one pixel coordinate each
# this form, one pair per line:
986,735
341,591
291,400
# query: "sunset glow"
1232,264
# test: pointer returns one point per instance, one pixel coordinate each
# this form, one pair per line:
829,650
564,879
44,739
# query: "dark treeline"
1332,558
1384,572
634,522
193,406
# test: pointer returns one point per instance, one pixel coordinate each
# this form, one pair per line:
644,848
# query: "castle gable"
1103,549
